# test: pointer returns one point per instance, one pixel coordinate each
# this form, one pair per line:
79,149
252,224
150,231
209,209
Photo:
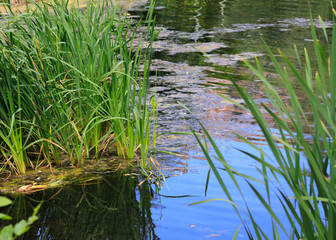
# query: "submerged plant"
71,84
303,150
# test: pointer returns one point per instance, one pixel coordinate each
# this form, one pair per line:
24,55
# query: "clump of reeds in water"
71,85
300,160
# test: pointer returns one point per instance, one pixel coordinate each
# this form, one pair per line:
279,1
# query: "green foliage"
304,150
11,232
72,84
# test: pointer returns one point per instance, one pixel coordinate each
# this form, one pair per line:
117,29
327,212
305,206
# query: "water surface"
198,51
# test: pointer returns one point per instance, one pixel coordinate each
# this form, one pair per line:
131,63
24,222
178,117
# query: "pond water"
197,53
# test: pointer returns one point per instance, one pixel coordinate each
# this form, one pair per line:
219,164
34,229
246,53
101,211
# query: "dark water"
198,51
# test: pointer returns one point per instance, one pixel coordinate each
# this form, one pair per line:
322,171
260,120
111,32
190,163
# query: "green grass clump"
73,82
303,150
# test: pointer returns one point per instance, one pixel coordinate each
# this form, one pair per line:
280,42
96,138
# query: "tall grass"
303,150
71,83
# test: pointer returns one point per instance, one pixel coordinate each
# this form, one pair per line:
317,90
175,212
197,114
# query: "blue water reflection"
215,218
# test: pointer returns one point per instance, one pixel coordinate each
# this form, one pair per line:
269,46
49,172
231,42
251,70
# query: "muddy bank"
51,176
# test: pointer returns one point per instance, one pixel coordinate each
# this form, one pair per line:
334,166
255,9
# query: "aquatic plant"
72,83
13,231
302,146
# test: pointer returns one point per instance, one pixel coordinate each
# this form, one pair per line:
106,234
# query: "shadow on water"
112,207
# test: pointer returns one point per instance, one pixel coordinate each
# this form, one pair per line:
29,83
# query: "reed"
71,81
303,152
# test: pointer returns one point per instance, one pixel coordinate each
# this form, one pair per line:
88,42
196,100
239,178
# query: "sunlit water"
197,53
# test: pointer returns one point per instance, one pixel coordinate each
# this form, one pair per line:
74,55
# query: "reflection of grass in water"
306,166
71,85
113,208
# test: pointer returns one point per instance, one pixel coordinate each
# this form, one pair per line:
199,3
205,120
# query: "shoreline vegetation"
74,86
22,5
